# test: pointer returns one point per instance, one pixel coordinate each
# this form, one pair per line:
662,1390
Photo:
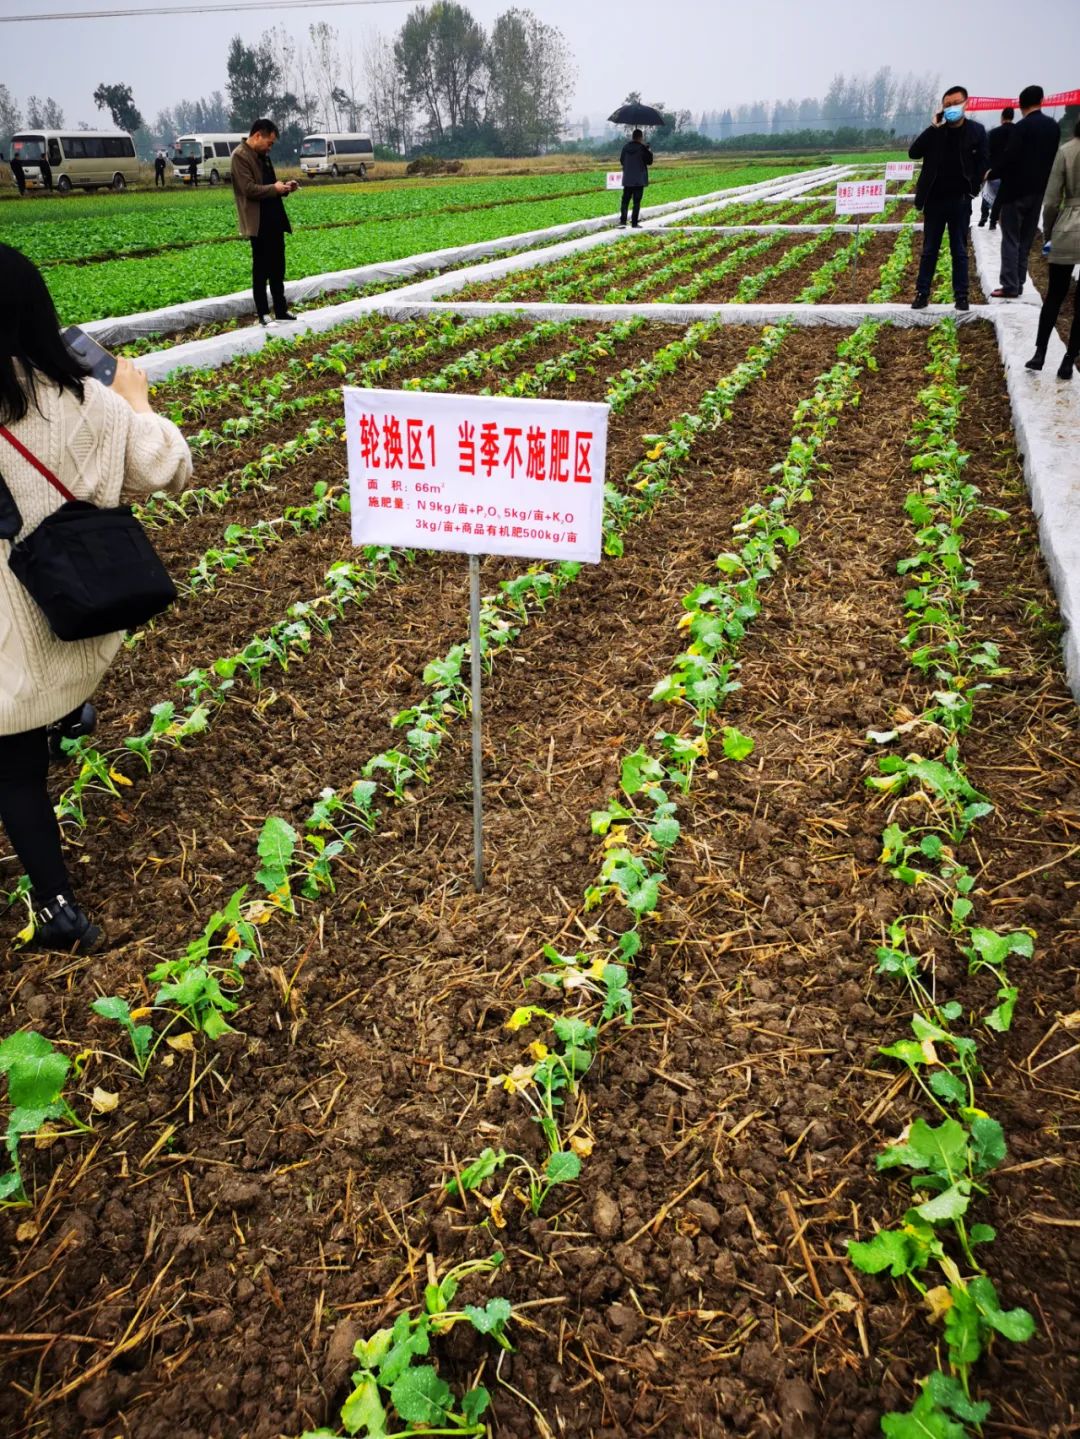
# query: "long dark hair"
31,347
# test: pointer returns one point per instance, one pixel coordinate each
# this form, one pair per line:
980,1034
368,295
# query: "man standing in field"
1023,170
954,155
635,160
159,170
261,212
996,142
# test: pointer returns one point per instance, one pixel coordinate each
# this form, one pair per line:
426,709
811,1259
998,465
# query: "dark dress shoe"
63,925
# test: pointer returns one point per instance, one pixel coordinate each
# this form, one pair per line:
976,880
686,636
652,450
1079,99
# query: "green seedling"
36,1075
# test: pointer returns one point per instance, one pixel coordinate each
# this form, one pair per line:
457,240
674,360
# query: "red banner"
998,102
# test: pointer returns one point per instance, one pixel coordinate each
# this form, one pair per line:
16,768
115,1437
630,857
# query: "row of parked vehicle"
88,159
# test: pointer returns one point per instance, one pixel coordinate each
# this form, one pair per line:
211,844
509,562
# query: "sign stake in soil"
477,725
858,198
477,475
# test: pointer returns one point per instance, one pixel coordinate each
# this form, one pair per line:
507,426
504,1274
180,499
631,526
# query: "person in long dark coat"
635,160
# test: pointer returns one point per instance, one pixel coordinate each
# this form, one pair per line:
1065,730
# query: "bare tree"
44,114
389,103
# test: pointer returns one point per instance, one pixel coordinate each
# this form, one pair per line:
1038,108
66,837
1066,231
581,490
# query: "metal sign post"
476,664
855,256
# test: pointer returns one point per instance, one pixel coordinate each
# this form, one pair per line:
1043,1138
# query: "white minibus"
336,154
87,158
212,154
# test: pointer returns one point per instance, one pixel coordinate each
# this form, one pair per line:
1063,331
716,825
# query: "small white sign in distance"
614,180
899,169
476,474
860,197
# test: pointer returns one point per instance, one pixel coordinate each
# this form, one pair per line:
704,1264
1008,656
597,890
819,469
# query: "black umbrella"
636,115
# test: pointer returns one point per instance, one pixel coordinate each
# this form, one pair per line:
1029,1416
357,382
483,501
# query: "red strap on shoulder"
33,460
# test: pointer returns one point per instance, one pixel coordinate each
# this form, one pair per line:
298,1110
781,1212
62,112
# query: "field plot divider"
846,316
783,229
1046,419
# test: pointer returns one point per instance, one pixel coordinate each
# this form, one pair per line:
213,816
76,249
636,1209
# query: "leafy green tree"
120,103
440,51
530,78
43,114
253,83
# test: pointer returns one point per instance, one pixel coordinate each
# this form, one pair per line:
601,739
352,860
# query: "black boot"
1038,359
963,303
61,924
920,301
1065,369
78,722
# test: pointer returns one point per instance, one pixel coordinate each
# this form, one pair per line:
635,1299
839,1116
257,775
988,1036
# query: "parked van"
213,153
87,158
336,155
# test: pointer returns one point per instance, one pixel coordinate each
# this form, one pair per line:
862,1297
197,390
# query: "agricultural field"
743,1099
109,256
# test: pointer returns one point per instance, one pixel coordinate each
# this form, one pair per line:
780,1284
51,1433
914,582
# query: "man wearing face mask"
1023,170
954,154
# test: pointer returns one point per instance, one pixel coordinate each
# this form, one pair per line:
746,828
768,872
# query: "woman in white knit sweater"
105,445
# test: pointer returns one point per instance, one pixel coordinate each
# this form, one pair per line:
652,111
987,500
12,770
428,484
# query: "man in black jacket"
1023,170
635,160
996,142
954,155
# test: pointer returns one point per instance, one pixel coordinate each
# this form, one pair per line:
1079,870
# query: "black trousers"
20,178
27,812
268,268
159,176
1019,221
954,215
631,192
1056,291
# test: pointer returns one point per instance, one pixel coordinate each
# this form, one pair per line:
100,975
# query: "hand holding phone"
101,364
939,118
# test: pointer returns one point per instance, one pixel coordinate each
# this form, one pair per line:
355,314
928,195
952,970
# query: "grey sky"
694,54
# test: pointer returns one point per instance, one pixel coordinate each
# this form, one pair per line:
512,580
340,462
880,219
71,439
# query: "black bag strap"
10,515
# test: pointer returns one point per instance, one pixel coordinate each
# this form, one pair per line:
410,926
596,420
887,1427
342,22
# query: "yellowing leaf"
521,1017
519,1078
142,1012
104,1101
117,777
654,453
46,1136
539,1050
582,1145
184,1043
496,1212
939,1301
26,1231
24,936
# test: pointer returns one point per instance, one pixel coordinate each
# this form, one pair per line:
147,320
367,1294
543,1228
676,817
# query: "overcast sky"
692,54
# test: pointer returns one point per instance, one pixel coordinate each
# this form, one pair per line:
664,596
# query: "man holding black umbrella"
635,160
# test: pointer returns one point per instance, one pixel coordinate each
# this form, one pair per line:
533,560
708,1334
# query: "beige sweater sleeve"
156,455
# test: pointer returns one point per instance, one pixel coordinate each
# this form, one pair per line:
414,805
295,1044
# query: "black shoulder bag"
92,571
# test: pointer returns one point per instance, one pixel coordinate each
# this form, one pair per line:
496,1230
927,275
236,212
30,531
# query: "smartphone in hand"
102,365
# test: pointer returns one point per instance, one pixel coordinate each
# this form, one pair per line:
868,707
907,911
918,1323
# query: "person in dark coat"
262,218
635,160
159,170
193,172
17,171
954,155
996,142
1024,169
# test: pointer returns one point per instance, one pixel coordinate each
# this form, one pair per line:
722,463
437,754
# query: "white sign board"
899,169
614,180
476,474
860,197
